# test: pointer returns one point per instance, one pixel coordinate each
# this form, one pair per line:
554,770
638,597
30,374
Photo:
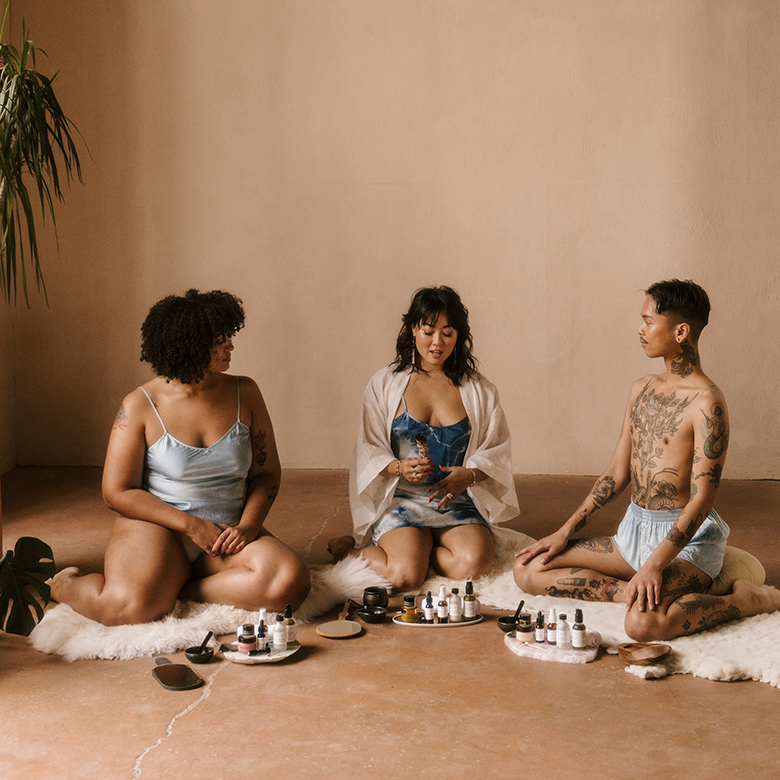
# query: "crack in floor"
307,549
169,728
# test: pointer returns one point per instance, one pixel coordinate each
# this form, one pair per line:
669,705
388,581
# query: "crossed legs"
146,570
592,570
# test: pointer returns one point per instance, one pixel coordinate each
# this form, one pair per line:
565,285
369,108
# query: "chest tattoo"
655,417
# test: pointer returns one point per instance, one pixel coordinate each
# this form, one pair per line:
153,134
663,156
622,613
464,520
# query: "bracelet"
398,468
473,477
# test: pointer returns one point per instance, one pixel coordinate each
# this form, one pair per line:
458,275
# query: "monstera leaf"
23,593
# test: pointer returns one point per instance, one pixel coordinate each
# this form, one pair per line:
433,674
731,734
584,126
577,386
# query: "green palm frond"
35,137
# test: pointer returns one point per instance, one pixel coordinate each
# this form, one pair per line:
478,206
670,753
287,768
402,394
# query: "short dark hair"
682,301
179,332
427,305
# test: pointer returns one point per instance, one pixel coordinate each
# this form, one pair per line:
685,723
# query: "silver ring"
449,496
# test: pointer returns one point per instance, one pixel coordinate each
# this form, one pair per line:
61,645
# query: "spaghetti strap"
238,394
403,398
165,430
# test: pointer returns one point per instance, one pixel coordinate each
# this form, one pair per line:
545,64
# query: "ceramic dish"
265,658
643,653
397,619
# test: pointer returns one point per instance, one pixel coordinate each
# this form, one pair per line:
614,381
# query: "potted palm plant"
35,138
34,135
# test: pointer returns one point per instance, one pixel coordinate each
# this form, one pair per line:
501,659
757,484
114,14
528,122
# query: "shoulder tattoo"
120,421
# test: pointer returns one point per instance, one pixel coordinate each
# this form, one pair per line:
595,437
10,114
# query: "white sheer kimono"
489,450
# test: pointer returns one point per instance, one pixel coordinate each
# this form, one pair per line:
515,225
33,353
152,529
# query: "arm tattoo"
680,538
120,421
714,429
272,492
259,445
603,491
714,475
686,361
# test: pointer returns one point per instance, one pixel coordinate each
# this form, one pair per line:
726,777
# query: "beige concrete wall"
7,406
549,159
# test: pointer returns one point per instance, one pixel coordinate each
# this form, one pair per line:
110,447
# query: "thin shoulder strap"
403,398
238,394
165,430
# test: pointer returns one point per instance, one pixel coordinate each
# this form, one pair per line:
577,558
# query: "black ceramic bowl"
198,656
372,614
507,623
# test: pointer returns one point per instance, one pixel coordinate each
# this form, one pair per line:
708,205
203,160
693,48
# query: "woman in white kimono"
432,468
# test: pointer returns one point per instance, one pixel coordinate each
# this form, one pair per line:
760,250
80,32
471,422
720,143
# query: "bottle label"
469,609
578,641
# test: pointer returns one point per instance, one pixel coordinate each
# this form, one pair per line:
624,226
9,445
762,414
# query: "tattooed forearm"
680,538
685,362
714,475
603,491
272,493
258,447
120,421
716,432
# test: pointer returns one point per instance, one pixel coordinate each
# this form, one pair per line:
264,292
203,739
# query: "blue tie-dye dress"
410,505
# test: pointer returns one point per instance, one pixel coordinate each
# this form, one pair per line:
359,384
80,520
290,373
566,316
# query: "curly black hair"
179,332
428,304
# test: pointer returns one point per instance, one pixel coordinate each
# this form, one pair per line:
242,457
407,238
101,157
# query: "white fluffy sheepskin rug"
739,650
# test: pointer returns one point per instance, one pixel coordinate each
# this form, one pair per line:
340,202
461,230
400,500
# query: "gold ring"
450,496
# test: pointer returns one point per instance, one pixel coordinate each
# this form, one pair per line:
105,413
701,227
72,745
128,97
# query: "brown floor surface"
391,703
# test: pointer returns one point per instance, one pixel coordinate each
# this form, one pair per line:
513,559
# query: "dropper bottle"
578,635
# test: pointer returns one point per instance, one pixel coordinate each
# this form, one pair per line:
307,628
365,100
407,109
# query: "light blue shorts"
642,530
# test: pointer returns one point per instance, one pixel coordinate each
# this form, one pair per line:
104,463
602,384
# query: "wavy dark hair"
428,304
682,301
179,332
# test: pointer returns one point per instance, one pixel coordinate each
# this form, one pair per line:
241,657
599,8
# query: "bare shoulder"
133,410
252,397
642,385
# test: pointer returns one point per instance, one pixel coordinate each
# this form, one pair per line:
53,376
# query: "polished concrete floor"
390,703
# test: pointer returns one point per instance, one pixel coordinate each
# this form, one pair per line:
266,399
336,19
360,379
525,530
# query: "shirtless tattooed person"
670,544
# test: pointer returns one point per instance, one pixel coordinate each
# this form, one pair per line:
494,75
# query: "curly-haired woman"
413,510
192,470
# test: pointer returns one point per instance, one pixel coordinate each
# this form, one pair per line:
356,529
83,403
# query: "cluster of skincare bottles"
448,608
558,632
269,638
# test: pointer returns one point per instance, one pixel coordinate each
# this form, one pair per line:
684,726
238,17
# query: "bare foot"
61,579
340,546
762,598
